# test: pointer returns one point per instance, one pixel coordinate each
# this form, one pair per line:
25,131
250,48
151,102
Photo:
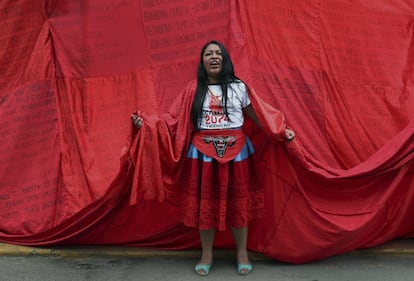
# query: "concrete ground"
395,247
392,261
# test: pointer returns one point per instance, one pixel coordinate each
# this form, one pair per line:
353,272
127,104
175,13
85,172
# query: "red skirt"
220,195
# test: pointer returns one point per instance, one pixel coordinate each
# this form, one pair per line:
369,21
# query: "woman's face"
212,61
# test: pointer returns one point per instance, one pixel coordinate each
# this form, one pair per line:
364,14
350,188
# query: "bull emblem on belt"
220,143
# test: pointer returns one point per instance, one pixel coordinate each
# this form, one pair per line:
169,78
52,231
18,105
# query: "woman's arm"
290,135
252,115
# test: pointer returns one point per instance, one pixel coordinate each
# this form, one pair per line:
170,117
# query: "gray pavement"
393,261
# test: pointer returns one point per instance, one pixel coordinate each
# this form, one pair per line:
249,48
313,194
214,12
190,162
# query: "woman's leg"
207,242
240,238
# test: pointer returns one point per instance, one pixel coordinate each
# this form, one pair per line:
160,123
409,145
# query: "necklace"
215,98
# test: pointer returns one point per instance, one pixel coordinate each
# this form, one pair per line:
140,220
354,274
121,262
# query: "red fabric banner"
72,72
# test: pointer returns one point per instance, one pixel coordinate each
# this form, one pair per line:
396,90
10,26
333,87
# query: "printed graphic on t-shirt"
215,116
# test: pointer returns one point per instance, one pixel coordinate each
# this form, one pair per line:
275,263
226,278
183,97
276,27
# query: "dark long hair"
226,77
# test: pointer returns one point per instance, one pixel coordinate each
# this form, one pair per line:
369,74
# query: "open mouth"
215,64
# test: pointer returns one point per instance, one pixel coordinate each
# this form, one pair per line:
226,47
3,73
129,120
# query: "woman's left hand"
290,135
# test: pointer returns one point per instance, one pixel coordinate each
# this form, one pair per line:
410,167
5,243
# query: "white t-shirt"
213,116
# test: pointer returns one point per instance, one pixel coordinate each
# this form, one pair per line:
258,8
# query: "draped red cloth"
72,72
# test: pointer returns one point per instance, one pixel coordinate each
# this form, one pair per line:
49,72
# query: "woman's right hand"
136,120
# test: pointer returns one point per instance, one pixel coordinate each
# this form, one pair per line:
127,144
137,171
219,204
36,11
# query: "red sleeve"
271,119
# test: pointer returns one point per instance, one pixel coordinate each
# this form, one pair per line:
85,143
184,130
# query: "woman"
221,190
